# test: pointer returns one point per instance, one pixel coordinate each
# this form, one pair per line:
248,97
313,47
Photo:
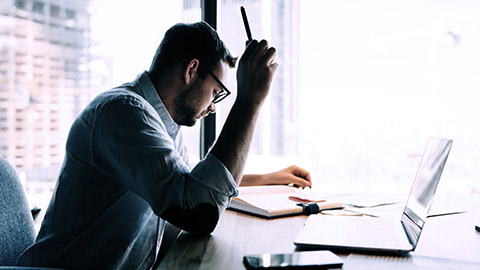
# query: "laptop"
382,234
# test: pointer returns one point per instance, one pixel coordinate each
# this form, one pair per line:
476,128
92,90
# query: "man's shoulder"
124,94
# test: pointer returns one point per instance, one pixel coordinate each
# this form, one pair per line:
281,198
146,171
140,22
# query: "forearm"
253,180
234,141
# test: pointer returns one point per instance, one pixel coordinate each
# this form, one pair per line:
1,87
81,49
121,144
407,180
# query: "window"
70,14
38,7
276,142
21,4
362,85
55,12
71,17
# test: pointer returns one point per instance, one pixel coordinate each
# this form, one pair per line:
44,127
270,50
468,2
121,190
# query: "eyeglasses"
223,94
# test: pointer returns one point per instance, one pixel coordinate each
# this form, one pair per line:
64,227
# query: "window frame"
207,127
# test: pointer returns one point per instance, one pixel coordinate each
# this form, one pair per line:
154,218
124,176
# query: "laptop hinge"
412,229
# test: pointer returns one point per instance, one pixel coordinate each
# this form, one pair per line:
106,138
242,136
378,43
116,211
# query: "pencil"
245,22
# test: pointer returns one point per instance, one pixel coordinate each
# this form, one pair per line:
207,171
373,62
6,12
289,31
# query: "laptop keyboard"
371,231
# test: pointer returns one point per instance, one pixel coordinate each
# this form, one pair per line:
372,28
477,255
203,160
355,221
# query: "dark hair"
184,42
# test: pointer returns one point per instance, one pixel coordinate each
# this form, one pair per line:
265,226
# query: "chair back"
17,231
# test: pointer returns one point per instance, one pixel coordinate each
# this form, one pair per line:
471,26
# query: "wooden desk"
236,235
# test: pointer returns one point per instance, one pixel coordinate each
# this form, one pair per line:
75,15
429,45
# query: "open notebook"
277,201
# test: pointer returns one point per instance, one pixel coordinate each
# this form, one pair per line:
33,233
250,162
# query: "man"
126,172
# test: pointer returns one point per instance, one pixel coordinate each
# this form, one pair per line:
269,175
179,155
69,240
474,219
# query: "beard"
186,105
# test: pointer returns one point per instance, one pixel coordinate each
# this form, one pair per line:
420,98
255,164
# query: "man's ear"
191,71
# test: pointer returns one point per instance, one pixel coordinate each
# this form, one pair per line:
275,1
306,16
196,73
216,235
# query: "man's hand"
295,175
255,72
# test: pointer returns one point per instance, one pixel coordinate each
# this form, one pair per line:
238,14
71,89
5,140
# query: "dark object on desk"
314,208
477,228
323,259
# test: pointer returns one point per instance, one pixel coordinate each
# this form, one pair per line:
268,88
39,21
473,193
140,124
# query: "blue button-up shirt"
125,164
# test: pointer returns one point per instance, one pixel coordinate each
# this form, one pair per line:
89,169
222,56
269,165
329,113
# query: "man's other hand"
294,175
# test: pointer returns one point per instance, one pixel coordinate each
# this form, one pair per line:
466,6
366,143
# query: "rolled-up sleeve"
131,146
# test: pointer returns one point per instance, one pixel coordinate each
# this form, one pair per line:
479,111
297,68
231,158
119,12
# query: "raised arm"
254,76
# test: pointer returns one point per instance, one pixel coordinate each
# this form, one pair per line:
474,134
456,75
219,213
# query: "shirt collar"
149,92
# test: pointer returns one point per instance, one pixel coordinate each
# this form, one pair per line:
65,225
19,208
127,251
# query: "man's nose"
211,108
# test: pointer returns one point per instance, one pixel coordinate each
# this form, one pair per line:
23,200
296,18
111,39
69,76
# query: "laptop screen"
424,187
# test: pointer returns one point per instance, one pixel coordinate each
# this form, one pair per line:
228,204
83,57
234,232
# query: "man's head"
200,60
